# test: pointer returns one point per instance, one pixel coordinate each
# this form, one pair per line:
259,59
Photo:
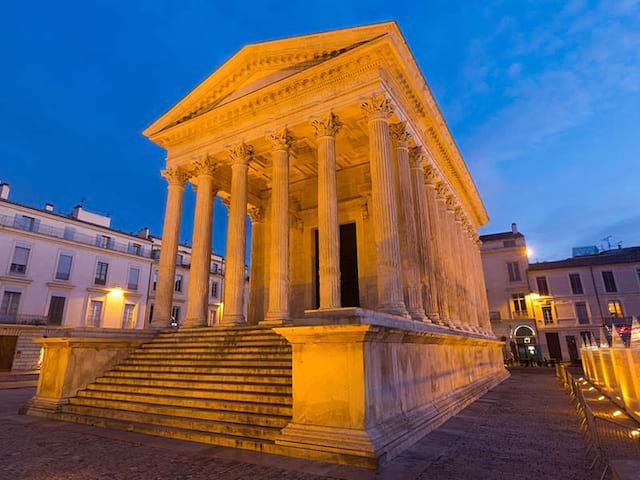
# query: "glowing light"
601,397
635,433
534,295
617,413
116,292
529,252
591,389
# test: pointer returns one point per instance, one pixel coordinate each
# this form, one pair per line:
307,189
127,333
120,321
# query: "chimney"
4,191
514,228
48,207
144,232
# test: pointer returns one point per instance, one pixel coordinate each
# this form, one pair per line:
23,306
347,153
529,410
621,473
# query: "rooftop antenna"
608,240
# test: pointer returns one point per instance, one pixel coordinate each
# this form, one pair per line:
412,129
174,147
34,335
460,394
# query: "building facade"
511,308
75,271
547,309
575,298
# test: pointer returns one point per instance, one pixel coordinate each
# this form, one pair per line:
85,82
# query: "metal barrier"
606,438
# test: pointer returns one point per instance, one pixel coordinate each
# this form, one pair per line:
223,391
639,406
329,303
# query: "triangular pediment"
258,65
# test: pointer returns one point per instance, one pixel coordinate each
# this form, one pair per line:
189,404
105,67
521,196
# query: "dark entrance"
573,349
7,350
349,289
553,342
56,310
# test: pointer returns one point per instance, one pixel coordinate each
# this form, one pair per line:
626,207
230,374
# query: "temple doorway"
349,287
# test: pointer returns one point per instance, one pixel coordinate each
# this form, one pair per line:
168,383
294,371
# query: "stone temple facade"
364,246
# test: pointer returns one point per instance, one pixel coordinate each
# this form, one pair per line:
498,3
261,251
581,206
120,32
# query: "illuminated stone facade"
364,251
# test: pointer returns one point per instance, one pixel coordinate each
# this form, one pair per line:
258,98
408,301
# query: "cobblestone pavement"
524,429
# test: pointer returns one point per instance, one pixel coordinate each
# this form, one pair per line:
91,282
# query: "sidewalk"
524,429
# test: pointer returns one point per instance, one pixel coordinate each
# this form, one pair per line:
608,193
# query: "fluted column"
464,272
176,177
383,196
446,252
472,278
438,293
255,310
426,251
278,311
455,304
328,225
409,247
198,293
483,306
236,237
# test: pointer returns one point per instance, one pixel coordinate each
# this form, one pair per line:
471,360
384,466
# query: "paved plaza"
524,429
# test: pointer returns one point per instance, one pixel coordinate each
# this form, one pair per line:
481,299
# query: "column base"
193,322
232,320
276,318
394,309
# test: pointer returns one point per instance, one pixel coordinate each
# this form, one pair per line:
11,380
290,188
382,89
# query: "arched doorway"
526,345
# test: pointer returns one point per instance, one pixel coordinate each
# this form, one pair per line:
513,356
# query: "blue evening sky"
543,98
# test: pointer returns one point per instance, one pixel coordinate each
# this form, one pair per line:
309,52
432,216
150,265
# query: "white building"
75,271
547,309
70,270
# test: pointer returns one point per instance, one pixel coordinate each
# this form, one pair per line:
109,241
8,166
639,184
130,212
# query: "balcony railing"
70,233
23,319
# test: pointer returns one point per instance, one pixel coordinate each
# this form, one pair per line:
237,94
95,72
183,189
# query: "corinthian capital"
416,157
327,126
241,154
431,176
400,135
281,140
175,176
441,190
377,106
204,165
256,214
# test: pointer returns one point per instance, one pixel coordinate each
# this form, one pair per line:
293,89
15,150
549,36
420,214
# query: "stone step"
213,356
168,432
195,377
217,345
194,393
198,424
240,386
207,362
221,328
223,340
225,411
215,332
261,369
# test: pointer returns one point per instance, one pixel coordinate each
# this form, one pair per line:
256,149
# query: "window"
28,224
615,308
175,313
20,259
56,310
214,289
514,271
10,304
576,283
519,304
151,313
508,243
609,282
135,249
155,254
101,273
638,272
63,272
547,314
178,285
95,313
581,313
543,286
103,241
216,269
155,280
127,316
180,259
134,275
69,233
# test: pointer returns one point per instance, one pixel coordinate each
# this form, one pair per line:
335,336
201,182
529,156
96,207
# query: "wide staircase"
228,386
